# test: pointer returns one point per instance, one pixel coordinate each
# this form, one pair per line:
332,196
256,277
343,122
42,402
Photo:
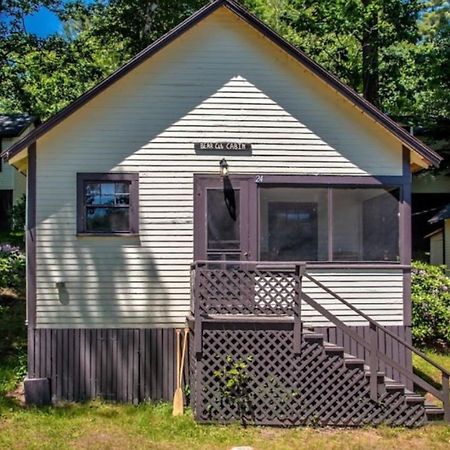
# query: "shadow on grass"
426,377
431,374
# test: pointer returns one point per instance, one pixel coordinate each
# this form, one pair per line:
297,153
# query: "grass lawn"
99,425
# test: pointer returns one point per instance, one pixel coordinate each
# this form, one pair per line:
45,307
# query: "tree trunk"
370,73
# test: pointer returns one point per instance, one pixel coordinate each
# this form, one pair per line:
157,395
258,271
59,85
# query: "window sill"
358,265
107,235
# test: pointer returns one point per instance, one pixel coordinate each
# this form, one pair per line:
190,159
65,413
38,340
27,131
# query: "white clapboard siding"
220,81
378,293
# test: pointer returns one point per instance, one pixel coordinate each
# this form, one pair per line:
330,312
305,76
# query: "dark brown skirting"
125,365
134,365
387,345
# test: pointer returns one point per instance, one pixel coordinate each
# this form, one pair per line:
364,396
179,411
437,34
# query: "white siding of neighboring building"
447,244
220,81
10,178
437,248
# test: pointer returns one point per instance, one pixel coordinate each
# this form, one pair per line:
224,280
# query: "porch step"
434,413
313,338
353,363
394,387
380,375
333,350
385,384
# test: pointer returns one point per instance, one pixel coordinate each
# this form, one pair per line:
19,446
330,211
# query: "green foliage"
13,358
430,306
41,76
411,40
17,216
234,385
12,267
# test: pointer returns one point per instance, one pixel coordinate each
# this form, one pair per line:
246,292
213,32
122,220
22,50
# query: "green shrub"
430,291
12,267
17,215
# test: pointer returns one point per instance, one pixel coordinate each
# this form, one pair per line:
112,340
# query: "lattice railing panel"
284,388
245,290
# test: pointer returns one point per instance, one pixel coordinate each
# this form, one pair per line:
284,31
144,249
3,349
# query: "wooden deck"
249,314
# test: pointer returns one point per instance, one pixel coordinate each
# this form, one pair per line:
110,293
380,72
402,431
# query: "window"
365,224
108,203
329,224
223,224
293,224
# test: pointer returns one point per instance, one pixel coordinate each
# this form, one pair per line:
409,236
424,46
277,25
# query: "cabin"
12,182
224,180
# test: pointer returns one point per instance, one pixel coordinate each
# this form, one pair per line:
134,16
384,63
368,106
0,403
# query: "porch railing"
236,290
242,289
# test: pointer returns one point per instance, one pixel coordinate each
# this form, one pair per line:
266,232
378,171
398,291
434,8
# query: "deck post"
299,269
373,361
446,396
198,326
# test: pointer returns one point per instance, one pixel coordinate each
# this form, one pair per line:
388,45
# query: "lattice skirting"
311,388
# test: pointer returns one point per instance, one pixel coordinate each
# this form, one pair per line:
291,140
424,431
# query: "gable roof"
407,139
13,125
443,214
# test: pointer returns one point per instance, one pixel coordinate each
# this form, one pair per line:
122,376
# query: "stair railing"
375,355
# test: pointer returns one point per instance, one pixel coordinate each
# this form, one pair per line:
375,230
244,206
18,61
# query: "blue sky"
43,23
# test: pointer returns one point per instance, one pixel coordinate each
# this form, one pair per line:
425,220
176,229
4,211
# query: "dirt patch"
18,395
93,440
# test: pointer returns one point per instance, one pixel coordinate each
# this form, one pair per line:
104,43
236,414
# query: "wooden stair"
385,384
250,313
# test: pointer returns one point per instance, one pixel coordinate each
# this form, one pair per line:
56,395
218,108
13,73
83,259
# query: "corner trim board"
30,244
405,236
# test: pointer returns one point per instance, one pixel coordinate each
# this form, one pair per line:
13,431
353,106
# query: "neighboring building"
440,238
430,189
193,184
12,182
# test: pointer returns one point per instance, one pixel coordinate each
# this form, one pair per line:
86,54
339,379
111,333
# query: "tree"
351,38
395,52
41,76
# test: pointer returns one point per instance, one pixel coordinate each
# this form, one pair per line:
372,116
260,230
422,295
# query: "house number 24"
259,178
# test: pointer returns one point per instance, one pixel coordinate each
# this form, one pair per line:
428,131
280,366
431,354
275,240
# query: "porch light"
223,167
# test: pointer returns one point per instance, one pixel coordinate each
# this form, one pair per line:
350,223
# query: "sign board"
224,146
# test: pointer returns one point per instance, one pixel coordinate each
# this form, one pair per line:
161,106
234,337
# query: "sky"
43,23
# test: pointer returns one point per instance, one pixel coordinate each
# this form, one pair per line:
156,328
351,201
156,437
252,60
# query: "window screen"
293,224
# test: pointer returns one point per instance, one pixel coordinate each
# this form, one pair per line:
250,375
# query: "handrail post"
445,396
299,270
373,362
192,284
198,325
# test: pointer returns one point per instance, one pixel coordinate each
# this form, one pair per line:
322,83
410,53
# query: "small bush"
12,267
430,291
17,216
